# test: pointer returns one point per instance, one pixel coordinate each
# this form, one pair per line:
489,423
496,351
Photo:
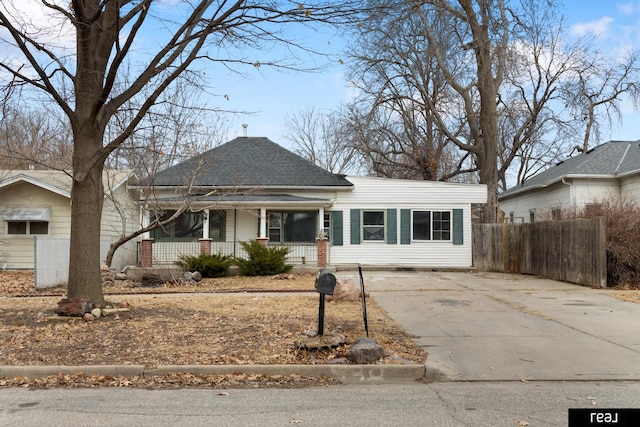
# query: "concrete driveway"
494,327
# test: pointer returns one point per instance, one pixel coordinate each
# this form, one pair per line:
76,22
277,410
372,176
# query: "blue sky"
273,95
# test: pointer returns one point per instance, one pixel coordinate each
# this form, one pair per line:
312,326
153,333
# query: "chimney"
244,129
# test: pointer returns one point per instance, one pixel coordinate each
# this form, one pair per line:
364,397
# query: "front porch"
162,254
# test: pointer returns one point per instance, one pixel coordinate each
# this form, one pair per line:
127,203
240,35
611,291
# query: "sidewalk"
495,327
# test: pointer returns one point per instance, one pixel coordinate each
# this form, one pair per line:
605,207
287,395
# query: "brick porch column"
321,242
205,246
264,241
146,253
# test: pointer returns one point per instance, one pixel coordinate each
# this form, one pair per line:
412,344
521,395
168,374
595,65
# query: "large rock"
195,276
365,350
150,280
74,307
345,290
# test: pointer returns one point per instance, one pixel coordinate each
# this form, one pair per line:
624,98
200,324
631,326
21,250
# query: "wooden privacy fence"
572,251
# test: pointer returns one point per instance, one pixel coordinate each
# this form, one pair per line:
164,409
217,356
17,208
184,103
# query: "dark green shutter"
392,226
405,226
355,226
458,227
336,228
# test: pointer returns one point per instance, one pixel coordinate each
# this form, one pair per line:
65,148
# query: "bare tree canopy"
93,58
321,138
491,88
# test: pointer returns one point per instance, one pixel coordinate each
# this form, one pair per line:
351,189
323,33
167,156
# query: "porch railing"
166,253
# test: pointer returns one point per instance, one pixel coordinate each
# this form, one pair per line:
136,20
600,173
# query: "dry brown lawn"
219,321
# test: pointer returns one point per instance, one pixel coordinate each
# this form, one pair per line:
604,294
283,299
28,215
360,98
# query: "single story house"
610,170
252,188
35,219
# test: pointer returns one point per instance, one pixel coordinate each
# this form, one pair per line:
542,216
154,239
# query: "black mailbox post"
325,284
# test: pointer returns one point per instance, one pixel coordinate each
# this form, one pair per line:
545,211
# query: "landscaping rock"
96,312
88,317
120,276
74,307
365,350
345,290
150,280
195,276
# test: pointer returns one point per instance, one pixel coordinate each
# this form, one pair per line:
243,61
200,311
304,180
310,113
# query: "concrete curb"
348,374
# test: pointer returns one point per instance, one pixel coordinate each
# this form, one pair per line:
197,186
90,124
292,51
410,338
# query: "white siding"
390,192
630,187
18,251
571,195
588,191
248,225
382,194
556,195
120,214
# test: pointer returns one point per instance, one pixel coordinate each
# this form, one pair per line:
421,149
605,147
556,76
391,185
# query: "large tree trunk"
86,214
487,155
95,39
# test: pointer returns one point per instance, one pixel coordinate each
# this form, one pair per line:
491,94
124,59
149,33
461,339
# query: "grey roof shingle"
249,162
610,159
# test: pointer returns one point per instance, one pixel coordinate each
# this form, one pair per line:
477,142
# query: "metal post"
321,316
364,302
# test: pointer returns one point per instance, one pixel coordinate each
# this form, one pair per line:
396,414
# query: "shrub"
208,265
623,239
262,261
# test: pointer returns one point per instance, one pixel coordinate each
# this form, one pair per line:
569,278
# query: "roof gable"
609,160
249,162
59,182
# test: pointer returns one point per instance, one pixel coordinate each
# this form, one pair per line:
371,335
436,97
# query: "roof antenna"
244,129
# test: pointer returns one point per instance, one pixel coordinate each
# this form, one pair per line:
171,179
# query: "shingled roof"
613,159
249,162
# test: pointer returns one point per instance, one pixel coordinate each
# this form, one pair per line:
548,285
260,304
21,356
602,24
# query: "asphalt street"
437,404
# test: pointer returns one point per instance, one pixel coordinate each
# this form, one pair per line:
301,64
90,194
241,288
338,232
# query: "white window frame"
431,222
363,226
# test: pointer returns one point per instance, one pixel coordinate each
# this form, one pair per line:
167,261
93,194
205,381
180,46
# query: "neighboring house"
252,188
608,170
35,212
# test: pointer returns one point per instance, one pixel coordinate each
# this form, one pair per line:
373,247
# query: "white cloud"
630,8
597,28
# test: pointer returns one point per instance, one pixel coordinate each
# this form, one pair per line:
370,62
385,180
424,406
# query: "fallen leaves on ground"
192,329
167,382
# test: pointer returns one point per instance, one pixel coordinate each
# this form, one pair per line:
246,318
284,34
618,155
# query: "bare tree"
597,90
321,138
34,139
446,63
180,127
84,77
482,83
401,88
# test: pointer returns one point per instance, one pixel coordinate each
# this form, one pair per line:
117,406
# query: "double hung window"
373,225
